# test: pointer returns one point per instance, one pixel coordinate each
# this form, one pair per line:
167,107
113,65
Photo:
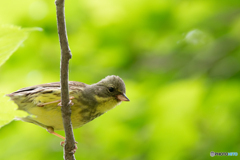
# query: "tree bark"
65,57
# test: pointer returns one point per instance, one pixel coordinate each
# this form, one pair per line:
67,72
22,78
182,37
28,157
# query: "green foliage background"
179,59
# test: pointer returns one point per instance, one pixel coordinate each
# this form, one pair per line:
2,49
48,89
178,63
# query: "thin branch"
65,57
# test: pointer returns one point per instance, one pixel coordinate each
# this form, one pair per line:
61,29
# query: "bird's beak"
122,97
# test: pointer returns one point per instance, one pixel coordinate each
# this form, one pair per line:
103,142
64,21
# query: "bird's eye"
111,89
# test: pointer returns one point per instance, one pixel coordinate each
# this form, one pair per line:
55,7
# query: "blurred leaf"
8,110
11,37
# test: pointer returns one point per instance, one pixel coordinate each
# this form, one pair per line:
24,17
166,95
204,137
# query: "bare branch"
65,57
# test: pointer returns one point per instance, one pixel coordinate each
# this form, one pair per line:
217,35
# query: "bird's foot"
70,101
57,101
44,104
75,148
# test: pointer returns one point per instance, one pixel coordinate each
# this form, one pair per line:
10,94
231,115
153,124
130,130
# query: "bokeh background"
180,61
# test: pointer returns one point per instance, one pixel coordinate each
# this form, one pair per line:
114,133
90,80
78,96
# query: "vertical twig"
65,57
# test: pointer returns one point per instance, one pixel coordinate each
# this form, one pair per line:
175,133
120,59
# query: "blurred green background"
180,61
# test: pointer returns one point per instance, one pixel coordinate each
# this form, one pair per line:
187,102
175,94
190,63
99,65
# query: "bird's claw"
75,148
69,103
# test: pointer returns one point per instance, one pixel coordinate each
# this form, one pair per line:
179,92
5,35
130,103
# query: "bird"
43,102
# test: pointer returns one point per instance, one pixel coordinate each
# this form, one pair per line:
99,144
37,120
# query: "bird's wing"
55,85
29,97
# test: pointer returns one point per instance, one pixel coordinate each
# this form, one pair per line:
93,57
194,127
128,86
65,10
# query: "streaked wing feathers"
38,88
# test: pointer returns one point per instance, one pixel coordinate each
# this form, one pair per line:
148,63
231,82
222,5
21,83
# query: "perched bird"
88,102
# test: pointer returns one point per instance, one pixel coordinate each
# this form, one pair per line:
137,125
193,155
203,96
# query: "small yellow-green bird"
88,102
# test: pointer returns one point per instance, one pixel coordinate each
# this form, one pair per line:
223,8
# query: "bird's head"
111,86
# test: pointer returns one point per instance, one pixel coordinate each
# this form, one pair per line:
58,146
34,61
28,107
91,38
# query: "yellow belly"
51,115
